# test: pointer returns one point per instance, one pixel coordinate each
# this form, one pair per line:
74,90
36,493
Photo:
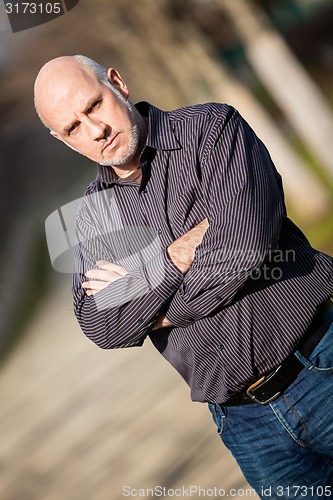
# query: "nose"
96,129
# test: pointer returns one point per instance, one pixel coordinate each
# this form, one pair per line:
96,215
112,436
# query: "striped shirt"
255,283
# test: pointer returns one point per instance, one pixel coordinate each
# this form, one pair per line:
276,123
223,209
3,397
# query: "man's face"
92,119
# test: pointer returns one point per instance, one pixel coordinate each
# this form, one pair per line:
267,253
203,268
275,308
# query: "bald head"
58,77
87,108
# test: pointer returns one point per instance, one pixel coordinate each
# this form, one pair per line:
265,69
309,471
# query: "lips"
110,141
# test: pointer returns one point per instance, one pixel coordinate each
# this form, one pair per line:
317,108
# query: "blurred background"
79,423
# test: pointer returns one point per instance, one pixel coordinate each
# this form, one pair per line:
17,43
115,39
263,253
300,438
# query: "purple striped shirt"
255,282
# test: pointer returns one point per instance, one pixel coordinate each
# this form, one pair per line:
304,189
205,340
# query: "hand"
181,251
162,322
108,273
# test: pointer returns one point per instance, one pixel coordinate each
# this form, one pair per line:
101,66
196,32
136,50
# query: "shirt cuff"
180,314
162,276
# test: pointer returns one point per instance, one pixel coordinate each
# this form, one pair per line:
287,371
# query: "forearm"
116,326
120,313
181,253
124,311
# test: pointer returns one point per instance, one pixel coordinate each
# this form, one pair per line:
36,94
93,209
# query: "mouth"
109,142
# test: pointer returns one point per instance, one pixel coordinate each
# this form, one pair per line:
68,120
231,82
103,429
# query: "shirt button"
219,297
140,320
144,191
159,231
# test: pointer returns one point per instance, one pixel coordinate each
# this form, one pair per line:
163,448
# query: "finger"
98,274
110,266
95,285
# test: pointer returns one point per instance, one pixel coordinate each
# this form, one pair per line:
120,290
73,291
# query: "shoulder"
201,127
202,124
203,113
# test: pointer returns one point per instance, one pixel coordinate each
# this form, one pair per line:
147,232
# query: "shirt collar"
160,132
160,136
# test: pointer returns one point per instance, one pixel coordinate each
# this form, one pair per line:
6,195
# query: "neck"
131,175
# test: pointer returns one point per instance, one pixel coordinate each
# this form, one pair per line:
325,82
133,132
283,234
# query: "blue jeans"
285,449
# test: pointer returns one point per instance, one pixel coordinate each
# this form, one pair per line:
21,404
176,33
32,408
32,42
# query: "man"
184,237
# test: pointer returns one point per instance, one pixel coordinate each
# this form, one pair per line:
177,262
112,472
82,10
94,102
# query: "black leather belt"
273,384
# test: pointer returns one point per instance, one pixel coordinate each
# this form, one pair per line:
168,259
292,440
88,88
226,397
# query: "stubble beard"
133,139
133,135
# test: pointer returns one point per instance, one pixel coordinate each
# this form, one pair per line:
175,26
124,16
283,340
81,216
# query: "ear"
116,80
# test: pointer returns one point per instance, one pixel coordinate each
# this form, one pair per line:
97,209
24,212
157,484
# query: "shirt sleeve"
245,208
122,314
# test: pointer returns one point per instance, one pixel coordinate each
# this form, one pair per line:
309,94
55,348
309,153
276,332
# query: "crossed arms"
181,253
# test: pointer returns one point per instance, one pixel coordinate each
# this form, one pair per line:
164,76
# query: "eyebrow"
85,111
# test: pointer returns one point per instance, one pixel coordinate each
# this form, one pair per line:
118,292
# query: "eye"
72,129
94,105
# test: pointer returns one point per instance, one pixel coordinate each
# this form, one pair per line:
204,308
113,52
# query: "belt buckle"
259,383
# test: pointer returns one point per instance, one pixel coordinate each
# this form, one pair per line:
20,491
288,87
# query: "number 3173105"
33,8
